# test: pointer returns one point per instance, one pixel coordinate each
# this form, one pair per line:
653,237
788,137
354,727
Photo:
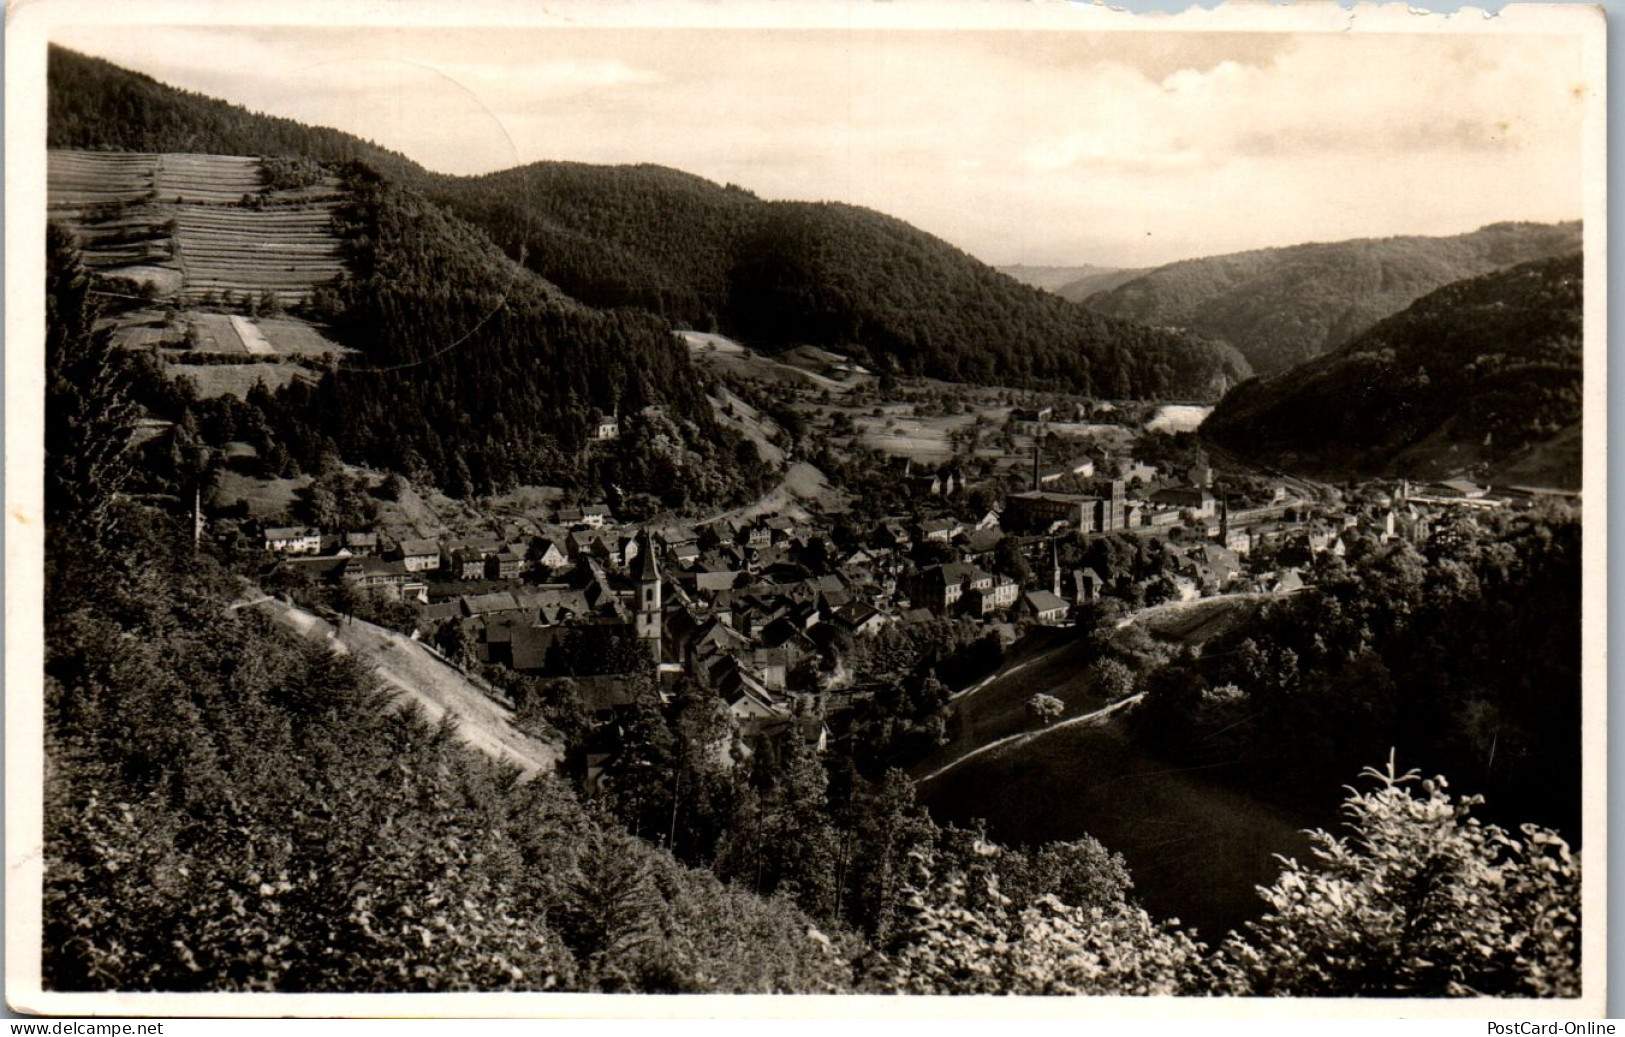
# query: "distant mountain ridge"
1282,306
1073,283
1482,376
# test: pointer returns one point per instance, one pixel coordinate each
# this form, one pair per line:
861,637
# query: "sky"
1039,147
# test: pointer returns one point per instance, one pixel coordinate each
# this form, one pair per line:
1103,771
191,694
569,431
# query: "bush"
1419,900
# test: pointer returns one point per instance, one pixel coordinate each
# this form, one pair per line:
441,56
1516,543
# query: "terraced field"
82,179
207,179
180,223
204,228
285,252
110,201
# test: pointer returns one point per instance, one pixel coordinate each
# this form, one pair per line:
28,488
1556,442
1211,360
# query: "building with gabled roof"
419,555
293,540
1043,606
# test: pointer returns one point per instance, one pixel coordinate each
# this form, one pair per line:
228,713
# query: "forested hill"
1282,306
95,105
1483,371
482,376
778,274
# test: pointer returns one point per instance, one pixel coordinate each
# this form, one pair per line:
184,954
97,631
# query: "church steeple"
646,572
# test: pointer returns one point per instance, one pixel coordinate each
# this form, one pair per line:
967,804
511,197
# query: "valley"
596,577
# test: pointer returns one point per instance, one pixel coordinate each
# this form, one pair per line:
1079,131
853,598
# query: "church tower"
646,573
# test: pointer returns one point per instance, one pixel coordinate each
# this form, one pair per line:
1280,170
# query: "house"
596,515
486,604
328,568
1032,415
1140,472
979,544
1221,563
606,427
419,555
782,529
1463,489
939,587
929,483
369,573
293,540
504,565
604,696
1082,585
860,618
464,563
550,554
365,543
1082,467
891,536
1194,499
942,530
528,646
1043,607
1004,591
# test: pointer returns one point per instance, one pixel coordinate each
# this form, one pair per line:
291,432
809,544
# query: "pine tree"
89,416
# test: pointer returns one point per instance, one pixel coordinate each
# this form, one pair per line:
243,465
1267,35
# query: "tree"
1113,679
1081,873
1009,561
391,488
1045,708
1419,900
960,935
88,411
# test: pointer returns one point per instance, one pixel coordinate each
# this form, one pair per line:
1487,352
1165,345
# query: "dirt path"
433,685
1028,736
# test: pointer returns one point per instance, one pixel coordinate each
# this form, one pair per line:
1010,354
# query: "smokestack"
1055,566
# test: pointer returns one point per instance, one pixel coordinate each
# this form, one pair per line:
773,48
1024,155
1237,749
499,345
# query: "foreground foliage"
1420,899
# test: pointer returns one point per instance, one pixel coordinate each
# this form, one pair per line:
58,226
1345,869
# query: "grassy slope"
1196,849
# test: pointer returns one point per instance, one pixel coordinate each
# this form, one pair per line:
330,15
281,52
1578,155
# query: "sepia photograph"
907,500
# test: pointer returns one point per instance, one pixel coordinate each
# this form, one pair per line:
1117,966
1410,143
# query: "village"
766,610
